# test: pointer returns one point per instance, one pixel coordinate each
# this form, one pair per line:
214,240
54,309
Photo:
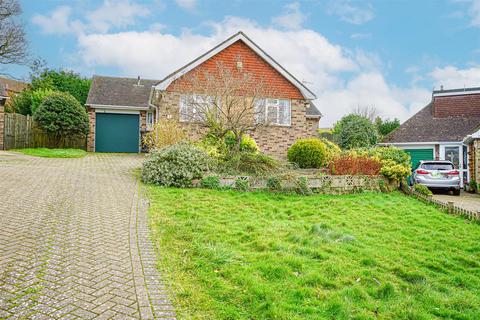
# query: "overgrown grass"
53,153
232,255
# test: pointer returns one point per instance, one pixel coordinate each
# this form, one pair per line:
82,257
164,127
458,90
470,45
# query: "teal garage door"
420,154
115,132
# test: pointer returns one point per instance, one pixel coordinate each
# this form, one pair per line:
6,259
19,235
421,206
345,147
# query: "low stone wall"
327,184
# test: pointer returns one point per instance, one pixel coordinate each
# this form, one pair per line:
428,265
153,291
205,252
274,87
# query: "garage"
420,154
116,132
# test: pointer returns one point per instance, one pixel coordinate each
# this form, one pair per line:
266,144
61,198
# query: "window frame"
184,98
150,122
267,105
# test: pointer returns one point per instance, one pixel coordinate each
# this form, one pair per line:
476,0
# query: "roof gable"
240,36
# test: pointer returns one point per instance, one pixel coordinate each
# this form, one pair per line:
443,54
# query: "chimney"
138,81
441,86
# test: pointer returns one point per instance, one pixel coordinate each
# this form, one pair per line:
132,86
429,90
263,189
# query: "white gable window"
149,119
273,111
193,107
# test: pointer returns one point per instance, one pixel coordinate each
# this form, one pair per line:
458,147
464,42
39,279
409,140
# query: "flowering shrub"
355,165
175,166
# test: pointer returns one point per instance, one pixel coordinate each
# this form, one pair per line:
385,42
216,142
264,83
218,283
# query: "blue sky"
385,54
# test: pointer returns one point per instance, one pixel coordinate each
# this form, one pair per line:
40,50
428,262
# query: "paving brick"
65,249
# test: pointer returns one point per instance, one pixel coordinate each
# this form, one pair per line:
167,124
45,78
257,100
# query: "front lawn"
53,153
232,255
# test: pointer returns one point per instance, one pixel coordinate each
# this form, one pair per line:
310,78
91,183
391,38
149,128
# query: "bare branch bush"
225,99
13,43
367,111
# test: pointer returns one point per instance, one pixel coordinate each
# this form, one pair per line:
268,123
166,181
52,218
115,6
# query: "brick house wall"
272,140
2,125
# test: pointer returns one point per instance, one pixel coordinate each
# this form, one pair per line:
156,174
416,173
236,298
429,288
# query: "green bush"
61,115
274,183
354,131
248,144
210,182
420,188
332,150
175,166
38,96
308,153
248,163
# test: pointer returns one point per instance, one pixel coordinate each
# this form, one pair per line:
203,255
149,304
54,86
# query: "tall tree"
13,43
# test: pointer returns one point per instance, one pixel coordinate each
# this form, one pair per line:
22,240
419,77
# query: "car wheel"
456,192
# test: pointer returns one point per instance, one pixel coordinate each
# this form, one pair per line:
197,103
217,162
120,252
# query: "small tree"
226,100
354,131
61,115
386,126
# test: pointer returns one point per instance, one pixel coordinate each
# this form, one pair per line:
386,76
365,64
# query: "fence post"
2,127
450,207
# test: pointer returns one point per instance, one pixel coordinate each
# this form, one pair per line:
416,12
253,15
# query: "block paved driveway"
74,241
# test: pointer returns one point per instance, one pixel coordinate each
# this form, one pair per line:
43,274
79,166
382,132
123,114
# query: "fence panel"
22,132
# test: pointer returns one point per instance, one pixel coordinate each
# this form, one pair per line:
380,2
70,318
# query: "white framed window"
193,107
149,119
273,111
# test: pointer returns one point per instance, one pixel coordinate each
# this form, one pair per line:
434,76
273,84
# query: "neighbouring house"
9,87
448,128
122,109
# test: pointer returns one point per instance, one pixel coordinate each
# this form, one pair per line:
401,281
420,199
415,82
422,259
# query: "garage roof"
124,92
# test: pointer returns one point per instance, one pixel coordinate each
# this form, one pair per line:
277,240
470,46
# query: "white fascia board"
313,116
307,94
117,111
456,93
418,143
106,106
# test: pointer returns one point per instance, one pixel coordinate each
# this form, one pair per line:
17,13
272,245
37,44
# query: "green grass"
53,153
232,255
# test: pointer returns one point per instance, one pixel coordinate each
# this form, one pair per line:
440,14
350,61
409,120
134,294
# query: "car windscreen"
437,166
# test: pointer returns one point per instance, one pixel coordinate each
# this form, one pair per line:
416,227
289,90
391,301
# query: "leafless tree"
13,43
367,111
225,99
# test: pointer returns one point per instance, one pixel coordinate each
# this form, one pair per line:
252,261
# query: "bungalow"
446,129
9,87
122,109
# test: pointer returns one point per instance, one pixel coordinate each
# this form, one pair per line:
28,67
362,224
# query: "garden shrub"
257,164
38,96
165,133
332,150
308,153
420,188
274,183
248,144
396,163
355,165
210,182
354,131
61,115
175,166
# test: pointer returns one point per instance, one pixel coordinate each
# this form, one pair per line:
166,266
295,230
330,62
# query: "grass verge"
53,153
232,255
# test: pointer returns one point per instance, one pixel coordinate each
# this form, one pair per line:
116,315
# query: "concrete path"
465,200
74,241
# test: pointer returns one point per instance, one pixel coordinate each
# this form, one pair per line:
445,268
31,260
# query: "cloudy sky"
386,54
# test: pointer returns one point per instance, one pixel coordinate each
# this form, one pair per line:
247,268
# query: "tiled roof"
113,91
424,127
312,111
10,85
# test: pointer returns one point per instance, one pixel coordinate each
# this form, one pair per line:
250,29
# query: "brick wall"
457,106
91,134
477,159
251,63
2,125
272,140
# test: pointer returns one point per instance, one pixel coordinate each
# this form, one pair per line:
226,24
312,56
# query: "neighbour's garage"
117,132
420,154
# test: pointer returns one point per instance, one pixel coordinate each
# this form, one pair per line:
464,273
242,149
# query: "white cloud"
451,77
292,18
474,12
111,14
57,22
350,13
359,36
187,4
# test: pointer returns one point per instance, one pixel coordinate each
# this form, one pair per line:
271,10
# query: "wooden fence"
22,132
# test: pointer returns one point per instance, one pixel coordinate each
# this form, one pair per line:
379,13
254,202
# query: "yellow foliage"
164,133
